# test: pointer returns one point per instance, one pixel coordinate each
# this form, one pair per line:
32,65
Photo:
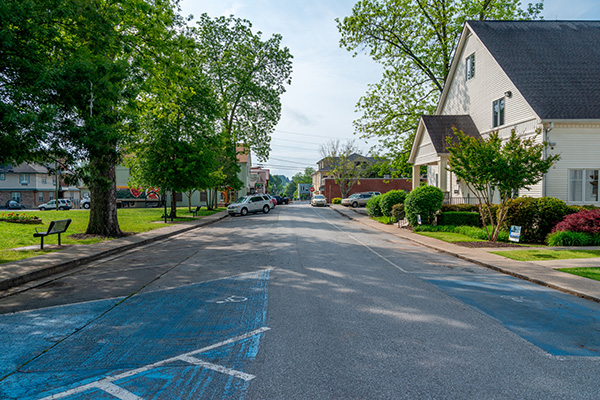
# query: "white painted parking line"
218,368
116,391
106,384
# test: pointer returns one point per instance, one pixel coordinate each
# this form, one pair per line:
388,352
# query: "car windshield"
241,200
353,196
319,196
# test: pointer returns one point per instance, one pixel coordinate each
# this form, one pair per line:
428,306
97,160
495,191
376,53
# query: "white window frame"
40,197
16,196
498,117
581,189
24,179
470,67
2,177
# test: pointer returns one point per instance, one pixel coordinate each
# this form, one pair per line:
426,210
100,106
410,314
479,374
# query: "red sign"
312,189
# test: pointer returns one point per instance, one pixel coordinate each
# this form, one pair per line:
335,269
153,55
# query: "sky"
327,81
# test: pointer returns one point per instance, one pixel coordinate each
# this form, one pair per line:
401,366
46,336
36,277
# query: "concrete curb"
23,271
529,271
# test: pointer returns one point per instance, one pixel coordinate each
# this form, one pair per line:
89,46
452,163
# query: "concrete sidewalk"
26,270
542,272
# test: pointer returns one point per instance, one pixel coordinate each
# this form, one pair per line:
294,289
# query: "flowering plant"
16,217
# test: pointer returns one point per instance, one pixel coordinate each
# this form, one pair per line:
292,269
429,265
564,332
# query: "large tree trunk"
103,207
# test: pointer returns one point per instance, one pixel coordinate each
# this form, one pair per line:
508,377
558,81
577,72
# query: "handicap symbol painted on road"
232,299
168,344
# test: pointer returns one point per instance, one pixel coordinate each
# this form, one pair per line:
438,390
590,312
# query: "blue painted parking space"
187,342
558,323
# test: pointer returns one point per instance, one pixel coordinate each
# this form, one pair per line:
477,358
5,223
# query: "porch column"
416,174
442,174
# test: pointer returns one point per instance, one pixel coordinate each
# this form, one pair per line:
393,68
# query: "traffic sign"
312,189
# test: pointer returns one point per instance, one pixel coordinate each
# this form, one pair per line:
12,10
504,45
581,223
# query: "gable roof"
554,64
439,127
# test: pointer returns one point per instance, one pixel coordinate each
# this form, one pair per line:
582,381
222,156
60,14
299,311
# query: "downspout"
546,140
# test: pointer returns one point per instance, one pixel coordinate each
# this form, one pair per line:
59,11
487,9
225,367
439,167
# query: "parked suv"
63,204
253,203
357,199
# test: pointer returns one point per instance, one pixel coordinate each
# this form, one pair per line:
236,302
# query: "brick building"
332,189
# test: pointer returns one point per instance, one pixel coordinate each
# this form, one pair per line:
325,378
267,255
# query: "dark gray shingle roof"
440,127
554,64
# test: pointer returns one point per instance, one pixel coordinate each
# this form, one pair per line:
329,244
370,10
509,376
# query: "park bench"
55,228
195,212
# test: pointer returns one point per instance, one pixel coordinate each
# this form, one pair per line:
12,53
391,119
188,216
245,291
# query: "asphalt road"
300,303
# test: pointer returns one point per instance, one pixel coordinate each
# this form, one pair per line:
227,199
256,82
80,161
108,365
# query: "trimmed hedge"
390,199
460,207
336,200
459,218
373,207
424,201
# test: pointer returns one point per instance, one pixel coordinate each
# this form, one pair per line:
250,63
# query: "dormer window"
470,66
498,113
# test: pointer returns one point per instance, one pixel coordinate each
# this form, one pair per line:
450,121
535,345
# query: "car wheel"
86,205
355,204
244,211
61,208
42,208
266,209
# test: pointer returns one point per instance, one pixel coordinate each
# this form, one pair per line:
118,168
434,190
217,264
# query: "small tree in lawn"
492,165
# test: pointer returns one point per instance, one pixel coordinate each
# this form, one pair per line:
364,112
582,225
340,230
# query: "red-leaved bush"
587,221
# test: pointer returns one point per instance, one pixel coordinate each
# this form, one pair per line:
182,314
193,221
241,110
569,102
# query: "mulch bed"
475,245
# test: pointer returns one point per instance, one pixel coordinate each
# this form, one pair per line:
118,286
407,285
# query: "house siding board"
426,152
475,96
579,149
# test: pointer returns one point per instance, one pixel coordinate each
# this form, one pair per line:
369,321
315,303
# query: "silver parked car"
358,199
250,204
63,204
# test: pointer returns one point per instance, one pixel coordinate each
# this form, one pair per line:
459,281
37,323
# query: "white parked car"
250,204
318,200
85,203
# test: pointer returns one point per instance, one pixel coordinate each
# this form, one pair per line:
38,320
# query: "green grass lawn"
450,237
588,272
541,255
134,220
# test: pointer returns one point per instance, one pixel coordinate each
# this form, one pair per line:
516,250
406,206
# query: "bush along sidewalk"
579,229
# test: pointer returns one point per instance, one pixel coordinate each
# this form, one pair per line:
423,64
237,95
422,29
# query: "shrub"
373,207
424,201
536,217
459,218
336,200
390,199
398,212
585,221
460,207
566,238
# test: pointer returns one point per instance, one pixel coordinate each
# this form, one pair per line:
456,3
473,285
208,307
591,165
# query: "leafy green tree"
414,41
248,75
277,184
425,201
490,166
291,190
71,72
390,199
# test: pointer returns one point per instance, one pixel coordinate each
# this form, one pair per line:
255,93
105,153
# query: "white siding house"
526,76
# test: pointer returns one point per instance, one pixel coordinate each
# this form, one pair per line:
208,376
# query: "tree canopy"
345,169
492,166
414,41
